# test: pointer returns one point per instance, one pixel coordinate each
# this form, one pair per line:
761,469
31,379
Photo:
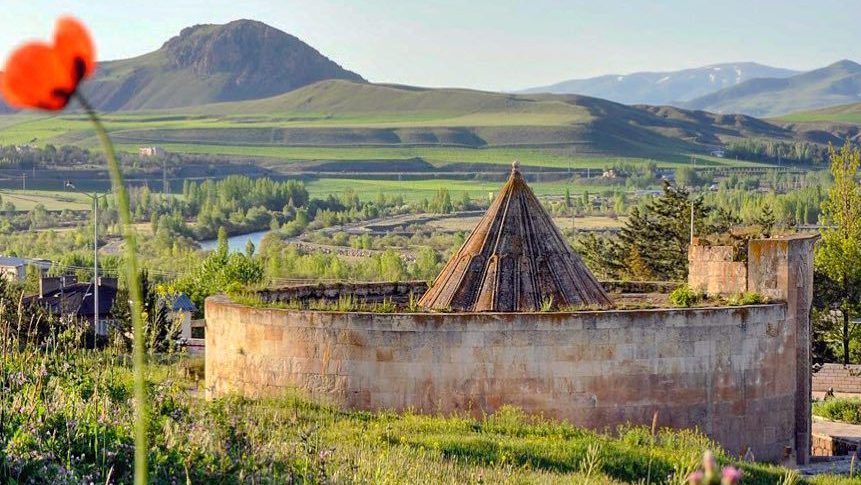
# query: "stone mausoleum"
501,325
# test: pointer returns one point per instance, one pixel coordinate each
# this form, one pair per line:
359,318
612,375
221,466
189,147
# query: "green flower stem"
132,276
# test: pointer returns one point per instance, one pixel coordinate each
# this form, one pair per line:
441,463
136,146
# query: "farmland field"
413,190
26,200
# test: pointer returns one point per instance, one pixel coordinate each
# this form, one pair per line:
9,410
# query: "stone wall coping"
226,301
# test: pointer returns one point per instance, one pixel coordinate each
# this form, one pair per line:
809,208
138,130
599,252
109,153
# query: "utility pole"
23,180
164,187
692,223
96,322
95,198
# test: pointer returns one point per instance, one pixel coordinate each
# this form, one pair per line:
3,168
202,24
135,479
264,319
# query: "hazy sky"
486,44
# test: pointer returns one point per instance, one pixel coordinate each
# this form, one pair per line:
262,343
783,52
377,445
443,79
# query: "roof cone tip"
515,166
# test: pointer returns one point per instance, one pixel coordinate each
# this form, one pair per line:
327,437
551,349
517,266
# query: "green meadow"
26,200
414,190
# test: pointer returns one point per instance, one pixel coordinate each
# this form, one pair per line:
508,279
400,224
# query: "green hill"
367,120
847,113
839,83
356,122
243,59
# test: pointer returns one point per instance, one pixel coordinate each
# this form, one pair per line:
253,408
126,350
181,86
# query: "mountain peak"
837,83
845,64
665,87
252,51
206,63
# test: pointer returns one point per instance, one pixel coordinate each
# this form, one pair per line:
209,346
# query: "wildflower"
45,76
695,477
709,463
731,475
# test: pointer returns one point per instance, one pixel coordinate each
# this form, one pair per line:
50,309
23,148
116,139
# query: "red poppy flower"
45,76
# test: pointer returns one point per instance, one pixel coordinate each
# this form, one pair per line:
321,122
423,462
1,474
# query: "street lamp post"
95,198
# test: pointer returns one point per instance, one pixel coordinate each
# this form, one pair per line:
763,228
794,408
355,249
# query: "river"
235,243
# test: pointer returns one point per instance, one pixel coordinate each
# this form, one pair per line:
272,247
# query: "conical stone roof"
514,260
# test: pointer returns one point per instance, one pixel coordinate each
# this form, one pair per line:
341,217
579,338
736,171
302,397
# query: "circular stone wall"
729,371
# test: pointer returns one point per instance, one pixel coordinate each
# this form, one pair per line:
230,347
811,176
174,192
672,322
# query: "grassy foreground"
66,413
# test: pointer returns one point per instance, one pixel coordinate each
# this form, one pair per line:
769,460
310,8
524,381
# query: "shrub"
685,296
846,410
747,298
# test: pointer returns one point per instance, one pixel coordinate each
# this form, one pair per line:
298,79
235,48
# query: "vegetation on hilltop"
845,113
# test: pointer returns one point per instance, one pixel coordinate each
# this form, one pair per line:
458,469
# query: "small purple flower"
731,475
695,477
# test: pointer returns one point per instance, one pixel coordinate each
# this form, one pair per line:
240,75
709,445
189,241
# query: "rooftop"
11,261
514,260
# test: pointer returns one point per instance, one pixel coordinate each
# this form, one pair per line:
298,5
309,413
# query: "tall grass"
67,412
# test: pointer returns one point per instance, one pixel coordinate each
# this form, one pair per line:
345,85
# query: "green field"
850,114
367,189
413,190
26,200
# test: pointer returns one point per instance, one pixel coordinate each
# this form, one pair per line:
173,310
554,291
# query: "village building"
180,310
65,297
150,152
13,269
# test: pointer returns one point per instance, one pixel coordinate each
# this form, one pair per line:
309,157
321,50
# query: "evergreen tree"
766,220
222,247
660,232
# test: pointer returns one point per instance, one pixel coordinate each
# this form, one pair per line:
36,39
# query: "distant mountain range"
837,84
243,59
671,87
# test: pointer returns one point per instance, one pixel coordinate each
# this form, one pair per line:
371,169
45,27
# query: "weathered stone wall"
716,270
739,374
843,379
782,269
728,371
825,445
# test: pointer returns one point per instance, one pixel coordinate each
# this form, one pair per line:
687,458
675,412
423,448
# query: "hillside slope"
844,113
836,84
240,60
664,87
349,114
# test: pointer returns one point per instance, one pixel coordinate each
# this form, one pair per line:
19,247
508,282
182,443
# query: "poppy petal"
34,77
75,47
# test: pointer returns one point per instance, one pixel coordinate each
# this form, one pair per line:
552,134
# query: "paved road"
849,432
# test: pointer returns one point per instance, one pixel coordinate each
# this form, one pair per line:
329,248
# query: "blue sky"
485,44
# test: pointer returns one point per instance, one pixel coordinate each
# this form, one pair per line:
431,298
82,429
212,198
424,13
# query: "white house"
13,269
